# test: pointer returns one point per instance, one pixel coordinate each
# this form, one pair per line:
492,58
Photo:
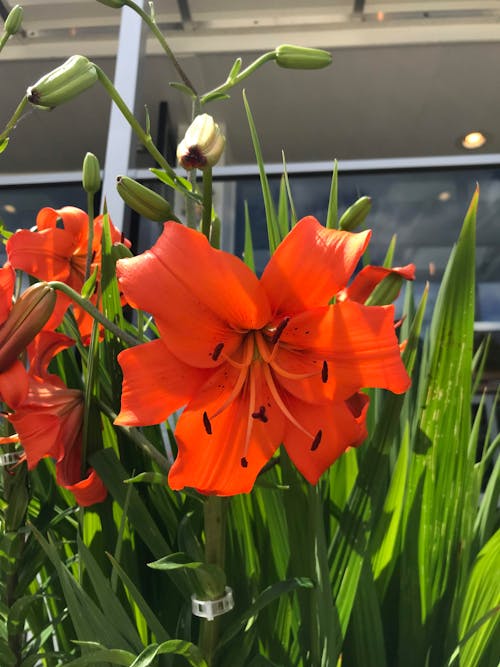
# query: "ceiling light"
9,208
445,195
473,140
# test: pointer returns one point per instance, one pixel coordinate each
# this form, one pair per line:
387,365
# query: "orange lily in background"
48,419
58,251
256,362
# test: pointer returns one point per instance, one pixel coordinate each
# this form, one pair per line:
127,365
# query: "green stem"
235,80
96,314
143,136
138,438
191,218
13,121
215,511
90,242
153,26
207,202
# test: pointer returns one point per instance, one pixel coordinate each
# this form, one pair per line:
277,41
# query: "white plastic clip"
209,609
9,459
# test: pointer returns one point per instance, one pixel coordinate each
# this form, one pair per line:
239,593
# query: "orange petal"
38,433
335,428
89,490
358,342
227,460
14,385
75,221
45,255
369,277
199,296
311,265
7,278
155,384
42,349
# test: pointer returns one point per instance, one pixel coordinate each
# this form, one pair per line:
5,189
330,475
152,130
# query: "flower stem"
143,136
153,26
234,80
96,314
215,511
207,202
90,242
13,121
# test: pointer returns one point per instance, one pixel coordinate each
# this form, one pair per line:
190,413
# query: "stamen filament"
251,410
248,354
279,401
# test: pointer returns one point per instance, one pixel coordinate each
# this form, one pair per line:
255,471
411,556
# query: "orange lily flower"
58,251
48,419
256,362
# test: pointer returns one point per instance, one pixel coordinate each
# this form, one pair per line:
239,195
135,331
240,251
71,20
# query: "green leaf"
235,69
332,215
4,144
89,285
266,597
480,615
148,478
100,655
181,87
273,230
173,646
248,257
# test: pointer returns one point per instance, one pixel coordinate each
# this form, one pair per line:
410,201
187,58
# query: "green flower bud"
355,215
27,318
63,83
147,203
91,174
14,20
301,57
115,4
202,145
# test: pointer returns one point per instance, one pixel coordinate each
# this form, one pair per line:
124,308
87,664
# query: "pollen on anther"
207,424
217,351
324,372
317,440
244,462
260,414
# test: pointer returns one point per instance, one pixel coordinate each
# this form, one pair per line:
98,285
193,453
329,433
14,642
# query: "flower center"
261,347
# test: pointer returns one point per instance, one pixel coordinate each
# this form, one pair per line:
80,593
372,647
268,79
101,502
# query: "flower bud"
301,57
147,203
202,145
14,20
91,174
356,214
115,4
27,318
63,83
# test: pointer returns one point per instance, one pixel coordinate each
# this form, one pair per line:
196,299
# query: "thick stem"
90,242
215,510
96,314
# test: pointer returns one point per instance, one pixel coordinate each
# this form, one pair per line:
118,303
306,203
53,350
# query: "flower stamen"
217,350
279,402
324,372
317,440
279,330
207,424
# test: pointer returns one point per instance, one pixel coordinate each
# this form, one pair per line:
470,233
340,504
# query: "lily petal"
339,429
14,385
7,278
311,265
358,342
88,491
223,454
155,384
369,277
199,296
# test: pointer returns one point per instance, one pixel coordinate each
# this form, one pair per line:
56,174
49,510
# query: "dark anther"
324,372
260,414
217,351
279,330
317,440
207,424
244,462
